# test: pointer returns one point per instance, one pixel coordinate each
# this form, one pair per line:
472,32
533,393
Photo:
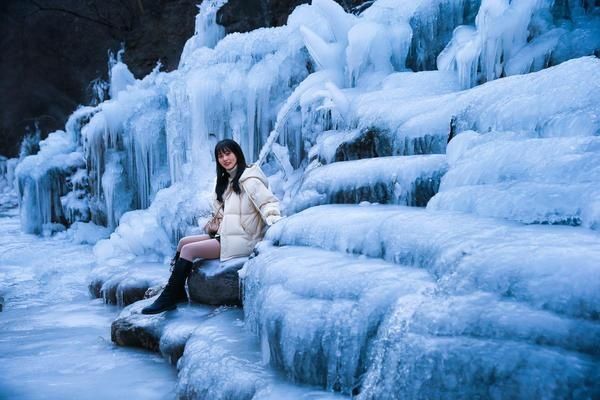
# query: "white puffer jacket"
245,215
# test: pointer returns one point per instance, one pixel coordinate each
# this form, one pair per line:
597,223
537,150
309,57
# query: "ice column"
207,32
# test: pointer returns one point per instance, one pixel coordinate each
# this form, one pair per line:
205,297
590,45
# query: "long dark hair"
222,175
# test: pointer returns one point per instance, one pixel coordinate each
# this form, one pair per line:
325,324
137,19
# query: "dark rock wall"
246,15
52,49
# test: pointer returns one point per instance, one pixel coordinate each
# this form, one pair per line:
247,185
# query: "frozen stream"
55,340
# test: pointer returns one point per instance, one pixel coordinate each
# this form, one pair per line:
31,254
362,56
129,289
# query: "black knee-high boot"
174,260
174,292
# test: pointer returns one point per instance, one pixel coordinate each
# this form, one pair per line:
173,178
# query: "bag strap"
221,208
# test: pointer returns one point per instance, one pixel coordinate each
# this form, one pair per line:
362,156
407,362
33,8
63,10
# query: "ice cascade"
442,229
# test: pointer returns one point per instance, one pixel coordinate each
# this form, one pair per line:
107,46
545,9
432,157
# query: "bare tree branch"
73,13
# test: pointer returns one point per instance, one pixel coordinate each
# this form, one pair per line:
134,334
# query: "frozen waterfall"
439,164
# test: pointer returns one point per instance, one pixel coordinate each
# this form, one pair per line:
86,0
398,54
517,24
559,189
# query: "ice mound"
489,304
524,178
411,180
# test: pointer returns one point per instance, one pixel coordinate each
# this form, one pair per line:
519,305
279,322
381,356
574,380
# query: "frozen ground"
55,341
217,358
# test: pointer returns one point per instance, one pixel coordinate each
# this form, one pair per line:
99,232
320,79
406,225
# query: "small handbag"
213,224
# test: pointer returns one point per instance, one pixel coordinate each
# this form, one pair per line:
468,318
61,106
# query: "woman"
244,205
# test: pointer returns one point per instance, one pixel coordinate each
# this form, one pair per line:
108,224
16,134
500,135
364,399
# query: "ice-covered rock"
481,299
390,121
558,101
222,362
320,333
126,284
423,367
489,344
166,333
464,252
522,177
411,180
215,357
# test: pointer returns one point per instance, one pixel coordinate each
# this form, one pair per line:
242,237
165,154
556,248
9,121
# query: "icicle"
313,82
501,31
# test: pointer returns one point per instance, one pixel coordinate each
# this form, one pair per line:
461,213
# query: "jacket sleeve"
263,199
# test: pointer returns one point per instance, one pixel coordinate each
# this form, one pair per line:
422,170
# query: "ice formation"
469,290
524,177
490,290
8,196
409,180
517,37
325,71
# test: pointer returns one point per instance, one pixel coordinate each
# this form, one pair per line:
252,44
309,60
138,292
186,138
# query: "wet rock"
216,283
211,282
406,180
130,332
95,287
368,143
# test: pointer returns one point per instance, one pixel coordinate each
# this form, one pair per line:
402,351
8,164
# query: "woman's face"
227,159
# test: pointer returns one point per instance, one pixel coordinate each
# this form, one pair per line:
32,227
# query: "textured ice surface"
429,24
552,103
489,304
524,178
150,233
8,189
207,32
87,232
425,367
125,148
520,37
390,180
221,361
551,268
319,333
41,181
215,356
558,101
55,341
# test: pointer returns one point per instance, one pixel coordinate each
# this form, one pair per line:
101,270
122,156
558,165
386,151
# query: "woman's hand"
271,219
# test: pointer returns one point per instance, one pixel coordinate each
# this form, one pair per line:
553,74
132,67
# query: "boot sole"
158,311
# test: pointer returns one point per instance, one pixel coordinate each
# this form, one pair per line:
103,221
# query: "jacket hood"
254,171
